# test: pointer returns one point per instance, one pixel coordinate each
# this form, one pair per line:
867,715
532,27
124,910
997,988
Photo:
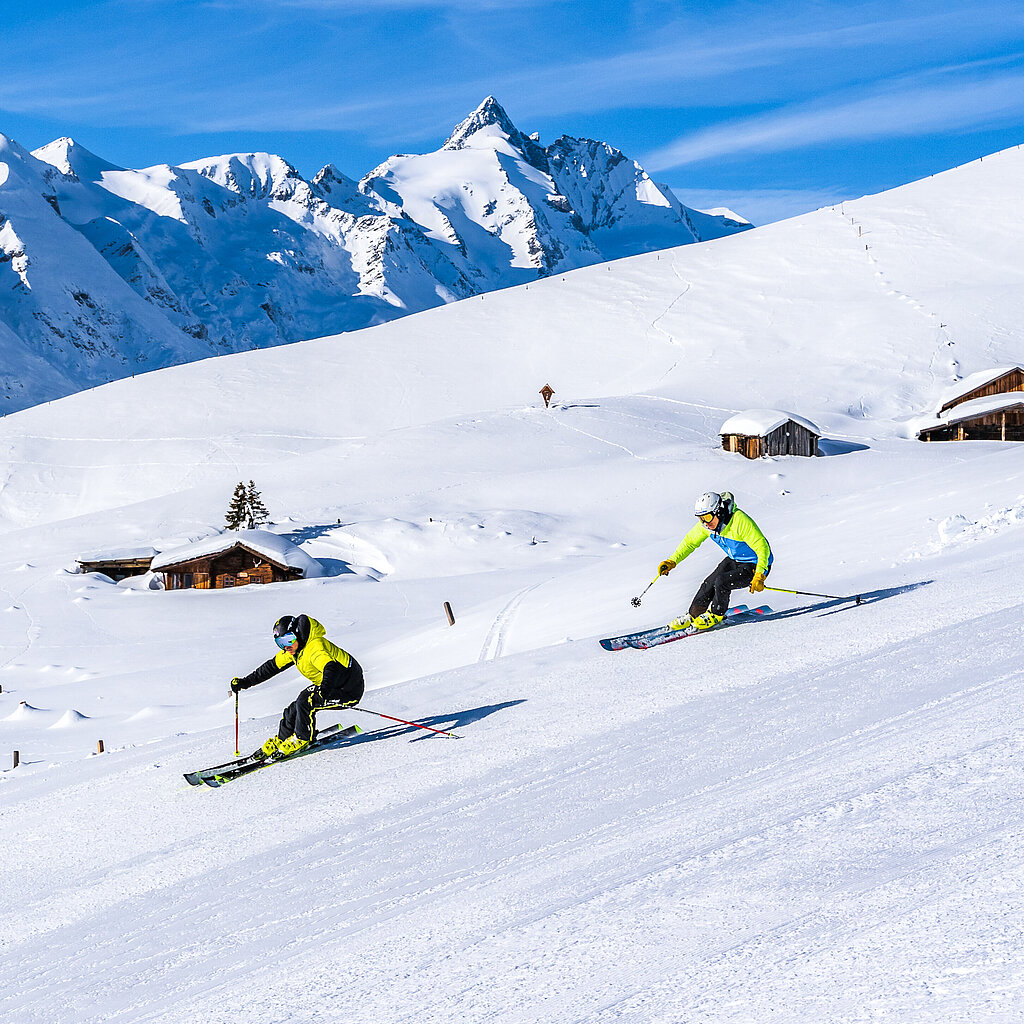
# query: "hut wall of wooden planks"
1004,424
1010,380
766,432
236,567
988,406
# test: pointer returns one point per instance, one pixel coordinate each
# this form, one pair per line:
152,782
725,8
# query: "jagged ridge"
107,270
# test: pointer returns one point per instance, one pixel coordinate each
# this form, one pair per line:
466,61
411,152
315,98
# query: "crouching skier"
748,558
336,678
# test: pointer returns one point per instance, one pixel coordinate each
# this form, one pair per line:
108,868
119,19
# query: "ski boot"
271,748
683,622
292,745
707,621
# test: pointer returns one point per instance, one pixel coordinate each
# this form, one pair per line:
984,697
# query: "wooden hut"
983,385
234,559
987,406
119,564
760,432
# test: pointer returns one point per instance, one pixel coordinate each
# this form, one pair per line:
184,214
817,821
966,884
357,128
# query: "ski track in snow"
497,635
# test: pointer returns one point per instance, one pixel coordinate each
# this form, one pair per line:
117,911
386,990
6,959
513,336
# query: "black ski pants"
340,686
715,591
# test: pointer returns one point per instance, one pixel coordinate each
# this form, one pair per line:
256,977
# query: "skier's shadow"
845,604
451,722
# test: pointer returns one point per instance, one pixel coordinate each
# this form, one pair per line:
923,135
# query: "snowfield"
811,817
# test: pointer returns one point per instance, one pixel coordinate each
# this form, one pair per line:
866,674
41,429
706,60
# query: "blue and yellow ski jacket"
741,539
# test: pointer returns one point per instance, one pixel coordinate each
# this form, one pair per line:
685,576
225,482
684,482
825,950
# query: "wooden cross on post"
547,391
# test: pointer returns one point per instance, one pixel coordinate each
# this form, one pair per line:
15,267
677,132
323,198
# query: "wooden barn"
987,406
760,432
234,559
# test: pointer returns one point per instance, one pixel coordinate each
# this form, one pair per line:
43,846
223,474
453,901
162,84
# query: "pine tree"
258,514
238,510
246,510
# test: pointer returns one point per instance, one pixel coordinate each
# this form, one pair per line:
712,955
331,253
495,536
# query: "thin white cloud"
378,6
964,103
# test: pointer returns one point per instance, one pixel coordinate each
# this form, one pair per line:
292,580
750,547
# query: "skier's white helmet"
715,504
708,504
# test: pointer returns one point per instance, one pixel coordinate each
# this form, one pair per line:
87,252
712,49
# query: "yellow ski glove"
757,583
666,567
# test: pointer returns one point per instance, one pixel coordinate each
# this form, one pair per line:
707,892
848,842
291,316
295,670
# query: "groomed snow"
811,818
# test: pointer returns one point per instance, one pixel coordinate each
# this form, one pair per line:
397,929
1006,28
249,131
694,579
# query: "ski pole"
238,752
810,593
636,600
415,725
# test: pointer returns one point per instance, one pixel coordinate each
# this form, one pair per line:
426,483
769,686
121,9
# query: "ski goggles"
285,641
706,517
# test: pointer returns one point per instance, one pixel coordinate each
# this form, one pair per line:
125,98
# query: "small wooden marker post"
451,615
17,759
546,392
99,746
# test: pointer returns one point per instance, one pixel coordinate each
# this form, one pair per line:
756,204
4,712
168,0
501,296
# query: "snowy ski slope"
813,817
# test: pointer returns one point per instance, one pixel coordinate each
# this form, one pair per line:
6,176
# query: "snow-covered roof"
261,542
759,422
969,410
118,555
971,382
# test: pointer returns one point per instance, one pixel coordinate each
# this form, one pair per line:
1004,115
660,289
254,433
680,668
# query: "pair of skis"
219,775
665,634
332,736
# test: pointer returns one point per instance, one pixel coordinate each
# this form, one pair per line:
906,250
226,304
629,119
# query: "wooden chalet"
234,559
762,432
987,406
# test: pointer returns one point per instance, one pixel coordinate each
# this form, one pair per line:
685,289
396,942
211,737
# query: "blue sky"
769,109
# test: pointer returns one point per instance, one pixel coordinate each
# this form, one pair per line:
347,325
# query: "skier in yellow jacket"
748,558
336,678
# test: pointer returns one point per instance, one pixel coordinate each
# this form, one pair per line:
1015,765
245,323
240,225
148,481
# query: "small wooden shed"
760,432
987,406
236,558
120,564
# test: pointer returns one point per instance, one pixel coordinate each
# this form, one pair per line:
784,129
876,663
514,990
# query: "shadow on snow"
842,604
451,722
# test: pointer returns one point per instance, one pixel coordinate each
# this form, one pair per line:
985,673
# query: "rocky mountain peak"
489,115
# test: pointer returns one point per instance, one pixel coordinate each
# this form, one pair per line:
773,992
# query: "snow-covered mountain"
105,271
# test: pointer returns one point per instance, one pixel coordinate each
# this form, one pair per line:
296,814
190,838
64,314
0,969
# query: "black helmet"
287,630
